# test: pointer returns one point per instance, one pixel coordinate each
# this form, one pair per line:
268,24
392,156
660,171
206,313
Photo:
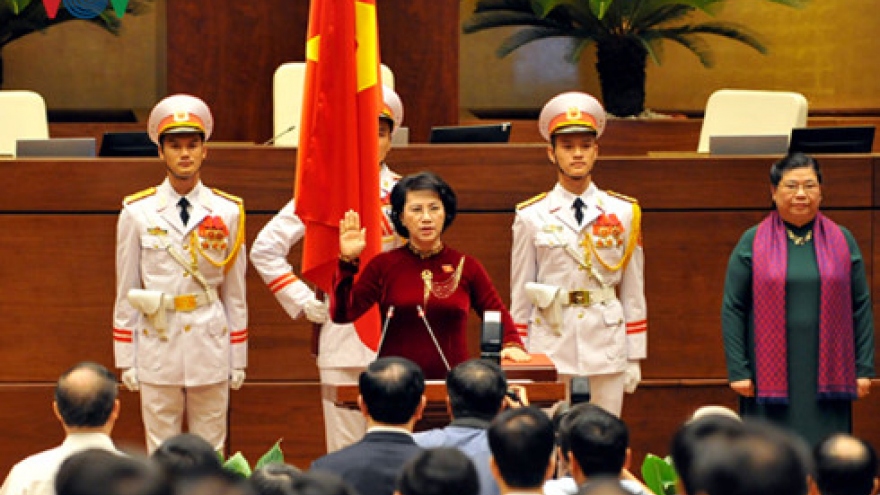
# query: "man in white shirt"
86,404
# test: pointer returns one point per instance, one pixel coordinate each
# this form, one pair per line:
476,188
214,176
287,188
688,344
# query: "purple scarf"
837,374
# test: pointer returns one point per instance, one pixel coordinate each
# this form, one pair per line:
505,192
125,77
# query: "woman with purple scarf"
796,314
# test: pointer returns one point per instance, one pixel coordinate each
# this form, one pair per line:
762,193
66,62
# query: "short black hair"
764,460
521,441
322,483
597,439
422,181
275,479
185,455
100,472
86,405
791,162
693,436
850,473
476,389
439,471
392,389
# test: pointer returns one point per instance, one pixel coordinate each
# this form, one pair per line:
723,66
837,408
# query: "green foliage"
21,17
659,475
586,22
239,465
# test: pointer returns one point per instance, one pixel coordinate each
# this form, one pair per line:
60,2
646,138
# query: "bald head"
85,395
845,465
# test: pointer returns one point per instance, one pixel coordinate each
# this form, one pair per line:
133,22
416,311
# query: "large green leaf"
238,464
273,456
659,475
487,20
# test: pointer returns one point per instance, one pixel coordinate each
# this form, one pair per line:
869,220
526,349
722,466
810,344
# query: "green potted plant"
624,32
22,17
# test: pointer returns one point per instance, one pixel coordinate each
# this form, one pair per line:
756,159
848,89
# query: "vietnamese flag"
338,158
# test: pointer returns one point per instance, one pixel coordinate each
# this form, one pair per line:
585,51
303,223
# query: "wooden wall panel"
249,40
56,281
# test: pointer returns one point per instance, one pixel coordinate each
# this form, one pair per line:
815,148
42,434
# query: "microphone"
433,337
388,315
279,135
491,337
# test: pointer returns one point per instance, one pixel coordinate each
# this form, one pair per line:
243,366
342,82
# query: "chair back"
754,113
287,100
22,116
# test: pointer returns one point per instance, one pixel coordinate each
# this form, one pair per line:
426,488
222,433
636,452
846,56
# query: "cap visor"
574,129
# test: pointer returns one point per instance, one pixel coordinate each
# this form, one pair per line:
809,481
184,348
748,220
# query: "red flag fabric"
338,159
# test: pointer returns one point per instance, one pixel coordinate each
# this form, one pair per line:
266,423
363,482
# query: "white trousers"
342,426
163,408
606,391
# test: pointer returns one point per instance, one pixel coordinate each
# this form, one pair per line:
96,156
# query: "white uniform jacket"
339,345
199,346
547,246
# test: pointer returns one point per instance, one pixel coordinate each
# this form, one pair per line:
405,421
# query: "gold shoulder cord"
630,245
239,240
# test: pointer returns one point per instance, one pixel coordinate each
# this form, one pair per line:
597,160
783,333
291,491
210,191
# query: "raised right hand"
352,238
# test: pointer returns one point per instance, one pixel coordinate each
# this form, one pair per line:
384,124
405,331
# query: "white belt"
189,302
587,297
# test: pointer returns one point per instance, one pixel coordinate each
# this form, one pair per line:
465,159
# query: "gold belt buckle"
579,297
186,302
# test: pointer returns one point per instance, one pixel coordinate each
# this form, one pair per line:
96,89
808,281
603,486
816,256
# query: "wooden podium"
537,376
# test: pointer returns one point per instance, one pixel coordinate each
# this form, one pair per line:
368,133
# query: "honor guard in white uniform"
341,354
577,284
180,317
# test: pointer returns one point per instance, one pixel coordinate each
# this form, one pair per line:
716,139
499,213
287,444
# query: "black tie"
184,213
578,210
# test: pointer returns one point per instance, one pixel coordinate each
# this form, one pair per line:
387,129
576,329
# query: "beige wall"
80,65
828,51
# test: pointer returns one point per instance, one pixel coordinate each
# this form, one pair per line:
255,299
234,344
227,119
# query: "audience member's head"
597,440
186,455
521,441
603,485
99,472
322,483
694,435
85,397
763,460
439,471
219,482
392,390
714,410
559,414
845,465
275,479
476,389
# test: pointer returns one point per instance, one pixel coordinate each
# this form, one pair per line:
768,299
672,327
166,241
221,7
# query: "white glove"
316,311
236,379
632,375
130,379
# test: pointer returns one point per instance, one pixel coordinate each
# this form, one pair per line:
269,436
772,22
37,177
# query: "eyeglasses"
809,187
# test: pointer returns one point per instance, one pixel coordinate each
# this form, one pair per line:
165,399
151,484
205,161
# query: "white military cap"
180,113
572,112
392,108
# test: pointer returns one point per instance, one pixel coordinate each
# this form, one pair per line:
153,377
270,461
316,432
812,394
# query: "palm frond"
525,36
573,55
653,43
488,20
693,43
661,15
797,4
513,5
730,30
